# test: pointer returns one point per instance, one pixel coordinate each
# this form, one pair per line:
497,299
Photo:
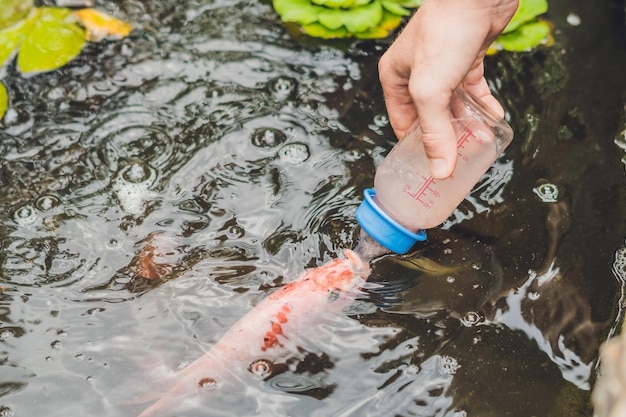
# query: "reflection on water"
234,156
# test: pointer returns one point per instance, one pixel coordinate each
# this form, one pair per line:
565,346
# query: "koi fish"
269,330
155,259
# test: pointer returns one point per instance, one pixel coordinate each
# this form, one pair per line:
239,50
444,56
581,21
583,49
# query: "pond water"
249,150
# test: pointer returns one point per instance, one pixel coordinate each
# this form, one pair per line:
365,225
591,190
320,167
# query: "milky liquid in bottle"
406,193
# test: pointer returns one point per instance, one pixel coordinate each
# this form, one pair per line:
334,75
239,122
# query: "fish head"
341,275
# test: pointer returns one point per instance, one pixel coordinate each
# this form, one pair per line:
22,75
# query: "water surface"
250,149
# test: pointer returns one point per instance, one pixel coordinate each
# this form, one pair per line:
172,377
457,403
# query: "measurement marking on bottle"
463,139
426,193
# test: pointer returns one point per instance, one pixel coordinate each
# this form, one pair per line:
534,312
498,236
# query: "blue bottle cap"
383,228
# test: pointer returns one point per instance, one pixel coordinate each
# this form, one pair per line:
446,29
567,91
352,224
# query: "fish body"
269,330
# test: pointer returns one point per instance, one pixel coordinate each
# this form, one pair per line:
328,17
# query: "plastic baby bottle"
406,199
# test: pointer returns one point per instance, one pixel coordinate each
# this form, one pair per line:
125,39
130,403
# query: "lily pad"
332,18
53,40
13,11
524,38
298,11
334,4
318,30
395,8
366,19
527,11
410,4
4,100
11,38
362,18
388,23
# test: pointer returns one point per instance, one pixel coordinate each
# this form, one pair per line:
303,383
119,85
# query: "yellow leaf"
101,25
4,100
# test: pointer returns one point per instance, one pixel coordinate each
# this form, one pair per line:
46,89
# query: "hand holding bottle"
407,199
442,47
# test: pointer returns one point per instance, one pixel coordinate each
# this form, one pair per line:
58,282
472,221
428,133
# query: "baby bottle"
406,199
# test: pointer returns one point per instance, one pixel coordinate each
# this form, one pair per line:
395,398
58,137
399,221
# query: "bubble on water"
6,334
283,88
25,215
477,266
113,243
412,370
471,318
47,202
448,365
546,191
235,231
128,140
294,383
56,344
573,19
381,120
261,368
268,137
136,173
533,295
294,153
450,279
131,186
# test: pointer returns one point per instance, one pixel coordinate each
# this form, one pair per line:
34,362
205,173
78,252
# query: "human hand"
441,47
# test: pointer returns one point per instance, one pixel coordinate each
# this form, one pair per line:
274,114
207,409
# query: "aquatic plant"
526,30
369,19
47,38
331,19
4,99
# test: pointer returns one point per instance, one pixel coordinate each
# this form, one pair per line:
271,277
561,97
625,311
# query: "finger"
402,115
394,82
437,132
476,84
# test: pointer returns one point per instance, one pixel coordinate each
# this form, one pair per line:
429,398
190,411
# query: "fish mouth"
358,265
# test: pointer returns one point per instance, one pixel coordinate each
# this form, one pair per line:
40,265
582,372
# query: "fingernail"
438,168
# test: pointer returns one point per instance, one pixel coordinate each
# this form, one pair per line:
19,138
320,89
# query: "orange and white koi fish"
268,330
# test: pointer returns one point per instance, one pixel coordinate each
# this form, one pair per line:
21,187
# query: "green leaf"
383,29
395,8
4,100
11,38
360,19
527,10
12,11
53,41
410,4
320,31
298,11
332,18
334,4
524,38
